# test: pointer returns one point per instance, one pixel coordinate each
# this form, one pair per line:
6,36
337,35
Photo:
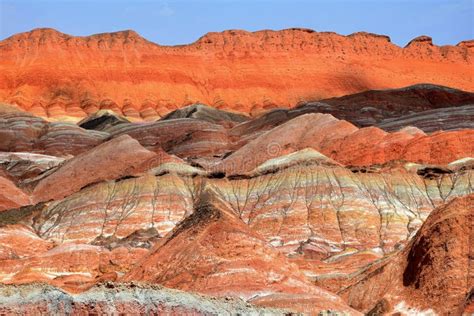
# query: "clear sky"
181,22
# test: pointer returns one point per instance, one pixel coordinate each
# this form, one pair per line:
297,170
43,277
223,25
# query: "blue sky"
181,22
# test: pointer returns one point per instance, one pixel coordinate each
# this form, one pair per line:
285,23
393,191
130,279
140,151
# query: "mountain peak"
43,34
371,35
50,35
122,35
423,39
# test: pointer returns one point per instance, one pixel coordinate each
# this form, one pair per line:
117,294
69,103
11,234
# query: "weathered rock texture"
434,272
296,208
426,106
329,220
52,74
345,143
114,159
11,196
372,107
124,299
212,251
454,118
23,132
229,143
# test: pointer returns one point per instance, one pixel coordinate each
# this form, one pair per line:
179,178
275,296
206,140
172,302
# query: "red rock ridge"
213,252
433,273
53,74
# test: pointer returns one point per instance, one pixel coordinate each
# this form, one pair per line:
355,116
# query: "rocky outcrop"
309,130
24,168
374,107
212,251
330,220
253,71
415,105
102,120
346,144
434,272
19,241
116,158
420,40
454,118
120,298
11,196
283,210
207,113
116,210
22,132
72,267
180,137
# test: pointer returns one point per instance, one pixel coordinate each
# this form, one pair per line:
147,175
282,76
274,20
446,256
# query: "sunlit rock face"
116,158
432,274
117,209
214,252
11,196
327,219
346,144
64,76
234,147
355,204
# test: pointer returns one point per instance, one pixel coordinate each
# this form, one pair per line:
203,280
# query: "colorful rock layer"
52,74
354,204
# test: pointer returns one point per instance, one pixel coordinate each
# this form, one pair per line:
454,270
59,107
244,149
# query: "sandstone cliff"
52,74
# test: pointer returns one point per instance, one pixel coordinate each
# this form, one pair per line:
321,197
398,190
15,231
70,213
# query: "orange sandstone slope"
214,252
432,275
53,74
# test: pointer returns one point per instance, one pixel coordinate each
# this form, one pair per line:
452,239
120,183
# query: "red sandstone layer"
53,74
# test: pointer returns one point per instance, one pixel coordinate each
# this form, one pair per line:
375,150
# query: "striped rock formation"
129,298
375,107
214,252
52,74
22,132
432,274
345,143
295,209
327,219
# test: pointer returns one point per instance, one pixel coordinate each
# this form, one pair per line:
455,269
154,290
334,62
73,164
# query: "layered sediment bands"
181,137
346,144
326,221
113,210
207,113
11,196
308,211
373,107
53,74
22,132
320,211
433,273
410,106
23,167
455,118
235,148
213,246
72,267
120,298
116,158
20,241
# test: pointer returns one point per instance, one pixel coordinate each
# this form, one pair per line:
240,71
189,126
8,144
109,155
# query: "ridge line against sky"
183,22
